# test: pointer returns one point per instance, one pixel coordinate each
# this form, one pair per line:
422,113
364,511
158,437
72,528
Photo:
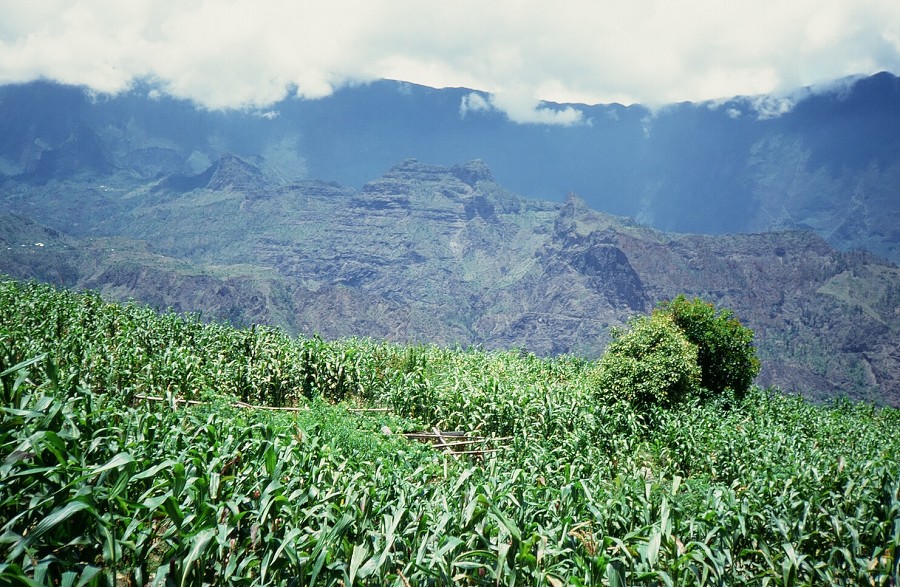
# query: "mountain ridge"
447,255
827,159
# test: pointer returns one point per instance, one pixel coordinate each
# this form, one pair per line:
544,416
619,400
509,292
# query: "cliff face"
830,163
447,255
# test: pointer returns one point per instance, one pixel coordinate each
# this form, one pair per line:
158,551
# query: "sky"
519,54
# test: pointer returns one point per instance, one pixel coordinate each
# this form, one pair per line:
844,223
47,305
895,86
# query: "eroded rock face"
610,273
473,172
445,255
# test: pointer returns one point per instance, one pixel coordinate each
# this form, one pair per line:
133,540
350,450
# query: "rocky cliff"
445,254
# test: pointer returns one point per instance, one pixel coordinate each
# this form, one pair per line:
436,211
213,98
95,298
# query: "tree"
725,352
650,363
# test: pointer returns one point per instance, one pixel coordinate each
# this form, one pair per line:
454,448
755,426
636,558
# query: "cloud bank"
252,53
520,107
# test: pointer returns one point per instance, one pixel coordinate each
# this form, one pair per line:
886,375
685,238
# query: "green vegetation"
99,486
651,364
725,350
683,349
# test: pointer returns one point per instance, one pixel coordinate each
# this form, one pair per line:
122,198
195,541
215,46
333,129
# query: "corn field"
100,487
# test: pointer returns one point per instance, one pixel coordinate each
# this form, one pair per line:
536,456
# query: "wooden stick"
480,452
177,400
237,404
435,433
432,435
472,439
282,408
468,442
440,438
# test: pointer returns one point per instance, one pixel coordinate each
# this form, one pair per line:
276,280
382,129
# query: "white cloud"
520,107
473,102
251,53
771,106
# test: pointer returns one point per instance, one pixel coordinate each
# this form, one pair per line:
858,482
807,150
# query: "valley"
446,255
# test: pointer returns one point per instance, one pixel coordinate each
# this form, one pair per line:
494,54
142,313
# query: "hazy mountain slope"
831,162
447,255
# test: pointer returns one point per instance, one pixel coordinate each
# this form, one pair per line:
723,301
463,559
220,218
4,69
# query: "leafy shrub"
725,351
651,363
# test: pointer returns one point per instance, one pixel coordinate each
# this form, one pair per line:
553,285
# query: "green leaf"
447,545
665,527
11,575
506,523
615,573
153,502
653,548
173,510
360,552
88,575
199,543
317,566
271,459
152,471
23,364
120,460
288,543
57,516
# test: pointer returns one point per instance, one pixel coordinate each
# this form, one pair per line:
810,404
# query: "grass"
878,301
98,487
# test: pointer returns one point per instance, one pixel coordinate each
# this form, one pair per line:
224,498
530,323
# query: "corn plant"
99,485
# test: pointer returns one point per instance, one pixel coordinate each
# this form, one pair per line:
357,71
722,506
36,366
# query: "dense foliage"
683,349
99,486
652,363
725,350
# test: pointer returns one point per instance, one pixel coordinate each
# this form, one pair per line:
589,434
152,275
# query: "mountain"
823,159
448,255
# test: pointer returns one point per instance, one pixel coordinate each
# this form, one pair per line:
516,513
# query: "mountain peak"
81,152
232,172
415,169
574,205
472,172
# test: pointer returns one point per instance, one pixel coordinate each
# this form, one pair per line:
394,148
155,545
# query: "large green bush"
684,347
725,351
651,363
